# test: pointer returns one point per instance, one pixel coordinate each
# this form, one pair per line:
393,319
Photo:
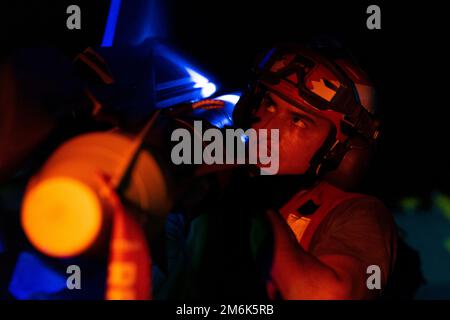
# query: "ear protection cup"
352,166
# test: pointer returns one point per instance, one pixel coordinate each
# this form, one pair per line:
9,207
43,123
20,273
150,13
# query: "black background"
406,60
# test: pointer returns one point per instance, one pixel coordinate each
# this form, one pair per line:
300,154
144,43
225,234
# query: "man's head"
322,108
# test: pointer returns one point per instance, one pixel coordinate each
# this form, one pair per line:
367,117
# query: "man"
326,241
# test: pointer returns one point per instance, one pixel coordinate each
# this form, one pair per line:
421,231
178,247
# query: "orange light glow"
61,217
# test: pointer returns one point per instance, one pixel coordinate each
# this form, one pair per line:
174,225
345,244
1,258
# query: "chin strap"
327,156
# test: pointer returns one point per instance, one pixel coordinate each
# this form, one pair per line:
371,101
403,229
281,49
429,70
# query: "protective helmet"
337,90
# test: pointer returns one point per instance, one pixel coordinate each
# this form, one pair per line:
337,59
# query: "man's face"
301,133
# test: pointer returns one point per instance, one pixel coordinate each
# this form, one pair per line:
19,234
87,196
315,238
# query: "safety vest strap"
306,210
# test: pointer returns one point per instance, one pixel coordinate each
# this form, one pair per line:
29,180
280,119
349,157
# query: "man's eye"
298,121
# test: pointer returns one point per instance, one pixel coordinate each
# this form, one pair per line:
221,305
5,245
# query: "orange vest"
308,208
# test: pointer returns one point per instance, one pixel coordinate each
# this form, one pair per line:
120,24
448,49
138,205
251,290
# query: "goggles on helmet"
307,80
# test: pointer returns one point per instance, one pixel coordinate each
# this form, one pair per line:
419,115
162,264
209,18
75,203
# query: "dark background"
404,59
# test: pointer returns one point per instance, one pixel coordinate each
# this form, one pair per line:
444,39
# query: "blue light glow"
190,87
266,58
208,90
111,23
200,81
2,244
219,121
231,98
34,279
